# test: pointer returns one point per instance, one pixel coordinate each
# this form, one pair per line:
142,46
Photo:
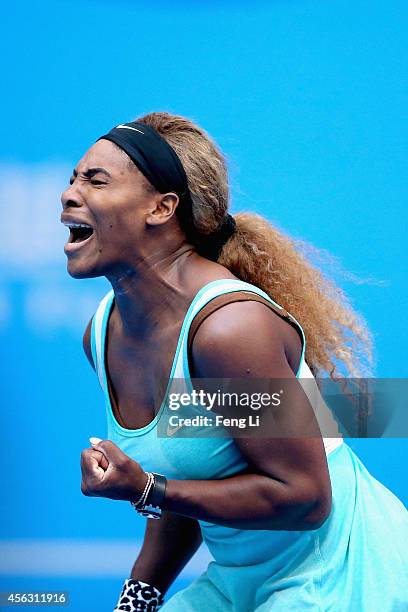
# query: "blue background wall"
306,98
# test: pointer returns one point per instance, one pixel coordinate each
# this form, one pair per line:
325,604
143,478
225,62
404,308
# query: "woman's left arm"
287,483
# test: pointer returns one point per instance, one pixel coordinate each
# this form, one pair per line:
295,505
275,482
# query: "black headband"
161,165
157,161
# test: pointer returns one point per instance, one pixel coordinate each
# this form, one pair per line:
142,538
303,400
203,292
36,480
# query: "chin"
78,270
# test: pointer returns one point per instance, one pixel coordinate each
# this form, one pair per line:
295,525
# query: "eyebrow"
91,172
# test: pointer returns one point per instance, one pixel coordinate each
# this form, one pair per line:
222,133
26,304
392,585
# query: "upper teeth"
77,225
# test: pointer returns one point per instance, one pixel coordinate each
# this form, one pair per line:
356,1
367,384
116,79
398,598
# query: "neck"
152,291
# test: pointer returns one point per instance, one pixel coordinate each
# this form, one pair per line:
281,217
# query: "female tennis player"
293,522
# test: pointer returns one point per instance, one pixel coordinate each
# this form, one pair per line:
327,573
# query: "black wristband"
158,491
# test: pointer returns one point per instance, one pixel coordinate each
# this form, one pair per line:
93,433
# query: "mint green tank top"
196,458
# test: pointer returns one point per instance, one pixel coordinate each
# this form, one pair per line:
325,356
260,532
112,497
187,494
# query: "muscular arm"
289,487
168,544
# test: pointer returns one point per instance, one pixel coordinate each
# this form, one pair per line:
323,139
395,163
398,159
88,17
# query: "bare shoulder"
244,338
86,342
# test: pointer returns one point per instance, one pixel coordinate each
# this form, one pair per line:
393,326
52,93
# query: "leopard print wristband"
138,596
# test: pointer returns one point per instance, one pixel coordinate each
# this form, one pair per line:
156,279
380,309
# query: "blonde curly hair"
259,253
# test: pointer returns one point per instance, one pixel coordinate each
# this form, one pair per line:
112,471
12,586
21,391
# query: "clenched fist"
108,472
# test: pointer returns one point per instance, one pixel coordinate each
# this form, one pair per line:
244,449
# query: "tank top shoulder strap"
237,296
98,330
206,302
216,294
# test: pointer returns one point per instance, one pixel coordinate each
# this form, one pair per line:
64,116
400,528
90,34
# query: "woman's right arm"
169,543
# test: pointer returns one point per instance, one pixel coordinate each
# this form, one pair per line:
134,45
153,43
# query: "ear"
164,208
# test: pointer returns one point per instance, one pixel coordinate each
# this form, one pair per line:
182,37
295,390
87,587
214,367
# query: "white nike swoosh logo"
172,430
127,127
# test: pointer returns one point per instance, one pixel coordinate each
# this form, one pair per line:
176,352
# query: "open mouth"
79,232
79,235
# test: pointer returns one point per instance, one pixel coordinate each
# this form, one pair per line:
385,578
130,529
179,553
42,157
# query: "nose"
70,198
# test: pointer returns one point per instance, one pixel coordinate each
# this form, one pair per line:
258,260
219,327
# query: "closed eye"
92,181
90,174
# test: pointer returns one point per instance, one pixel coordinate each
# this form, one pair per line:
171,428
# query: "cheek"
124,226
118,231
119,218
118,235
